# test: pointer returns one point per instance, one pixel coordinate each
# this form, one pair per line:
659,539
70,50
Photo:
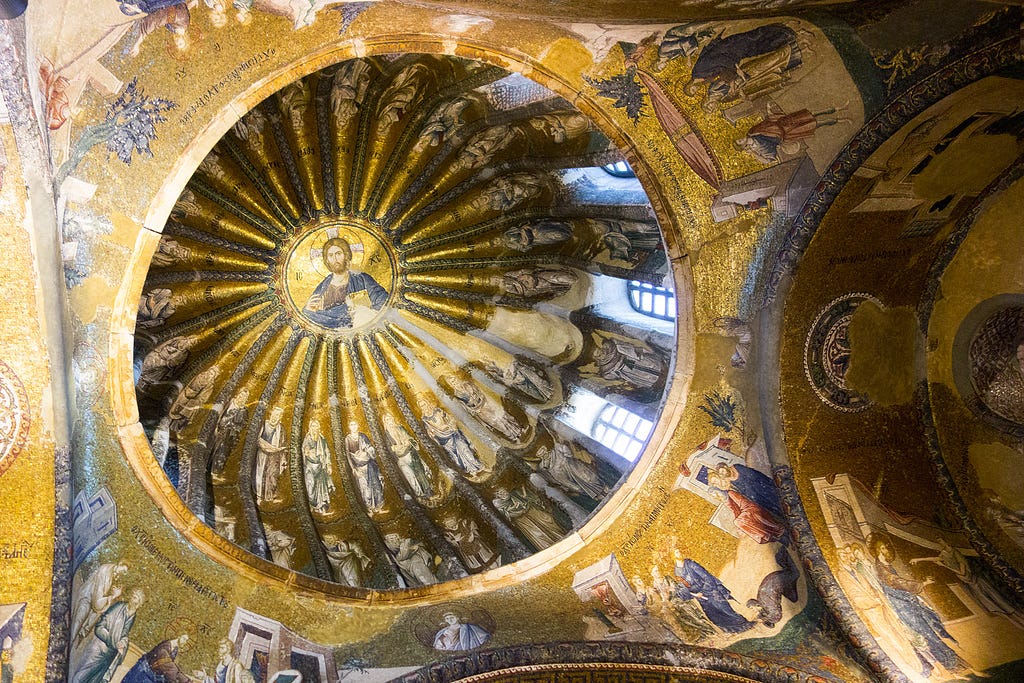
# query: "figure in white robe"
348,89
415,561
529,235
301,13
229,669
443,429
347,560
486,409
539,527
281,546
96,594
105,651
620,361
316,458
541,282
480,149
401,95
464,535
192,399
229,427
362,456
570,473
155,307
401,445
270,460
522,377
509,191
162,362
456,636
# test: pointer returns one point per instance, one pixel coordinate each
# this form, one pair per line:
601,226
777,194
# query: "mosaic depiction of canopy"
361,336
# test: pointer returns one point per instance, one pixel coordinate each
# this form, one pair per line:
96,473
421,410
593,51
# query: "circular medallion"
339,277
14,418
827,353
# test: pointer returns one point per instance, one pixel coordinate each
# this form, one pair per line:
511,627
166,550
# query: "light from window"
620,169
657,302
622,431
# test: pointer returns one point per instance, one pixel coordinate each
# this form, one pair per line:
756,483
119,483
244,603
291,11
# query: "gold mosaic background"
722,223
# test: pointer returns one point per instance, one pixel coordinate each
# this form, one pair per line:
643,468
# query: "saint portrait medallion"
339,277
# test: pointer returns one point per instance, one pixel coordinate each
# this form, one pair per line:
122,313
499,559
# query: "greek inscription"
232,77
17,550
172,568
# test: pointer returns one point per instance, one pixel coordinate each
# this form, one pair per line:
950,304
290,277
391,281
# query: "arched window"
620,169
621,430
652,300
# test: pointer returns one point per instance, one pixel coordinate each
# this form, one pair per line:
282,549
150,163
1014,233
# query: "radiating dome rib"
422,414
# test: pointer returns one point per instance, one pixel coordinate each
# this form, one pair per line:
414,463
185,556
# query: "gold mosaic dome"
386,339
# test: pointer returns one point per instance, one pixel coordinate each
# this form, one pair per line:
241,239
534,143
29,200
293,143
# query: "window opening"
621,430
619,169
652,300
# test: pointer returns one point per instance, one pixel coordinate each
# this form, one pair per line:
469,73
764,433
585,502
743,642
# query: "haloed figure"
362,456
455,635
317,461
105,651
328,305
270,460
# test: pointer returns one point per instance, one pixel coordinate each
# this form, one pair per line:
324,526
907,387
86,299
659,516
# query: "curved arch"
882,127
687,664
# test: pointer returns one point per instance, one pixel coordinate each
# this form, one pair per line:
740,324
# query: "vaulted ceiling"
427,334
